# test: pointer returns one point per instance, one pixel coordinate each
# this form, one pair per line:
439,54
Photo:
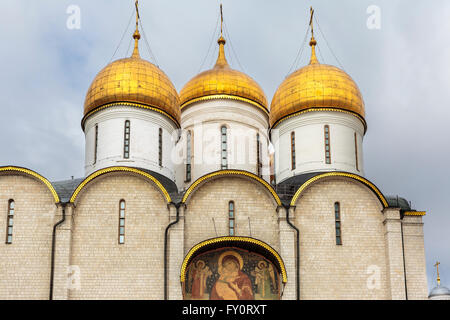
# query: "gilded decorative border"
320,109
415,213
194,249
35,175
128,104
224,96
339,174
118,169
231,172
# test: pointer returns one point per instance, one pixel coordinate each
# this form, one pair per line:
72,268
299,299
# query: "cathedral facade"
210,194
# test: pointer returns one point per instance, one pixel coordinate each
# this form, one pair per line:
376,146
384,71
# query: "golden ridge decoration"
415,213
339,174
35,175
129,104
118,169
331,109
225,96
264,245
194,185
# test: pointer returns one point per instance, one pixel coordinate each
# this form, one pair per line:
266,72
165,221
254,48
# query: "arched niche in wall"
233,268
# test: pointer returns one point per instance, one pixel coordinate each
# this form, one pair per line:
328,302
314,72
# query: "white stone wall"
310,144
415,258
357,269
109,270
394,254
25,263
243,121
206,214
144,140
369,264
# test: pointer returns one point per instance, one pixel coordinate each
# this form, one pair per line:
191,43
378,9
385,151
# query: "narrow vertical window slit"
188,156
327,144
224,148
258,155
96,144
126,140
122,222
337,218
160,147
356,152
232,218
10,221
293,150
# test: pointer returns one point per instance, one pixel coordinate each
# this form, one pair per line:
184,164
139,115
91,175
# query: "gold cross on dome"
137,12
437,269
136,35
311,20
221,20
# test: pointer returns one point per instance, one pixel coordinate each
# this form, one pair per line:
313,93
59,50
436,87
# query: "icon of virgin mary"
233,284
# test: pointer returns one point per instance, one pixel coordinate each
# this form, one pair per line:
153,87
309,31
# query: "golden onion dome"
316,87
222,82
135,82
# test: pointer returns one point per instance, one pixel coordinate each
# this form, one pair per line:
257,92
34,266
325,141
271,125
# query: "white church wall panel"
310,144
144,140
416,274
357,269
25,266
207,216
243,122
109,270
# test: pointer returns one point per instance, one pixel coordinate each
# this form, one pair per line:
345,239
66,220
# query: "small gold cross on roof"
437,269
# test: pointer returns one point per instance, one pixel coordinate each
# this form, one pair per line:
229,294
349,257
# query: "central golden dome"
136,81
222,82
316,87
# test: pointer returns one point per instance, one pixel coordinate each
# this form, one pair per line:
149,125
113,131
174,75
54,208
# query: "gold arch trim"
129,104
225,96
231,173
330,109
192,252
35,175
119,169
339,174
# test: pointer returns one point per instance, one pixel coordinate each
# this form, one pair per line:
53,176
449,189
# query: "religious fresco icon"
198,275
231,274
265,280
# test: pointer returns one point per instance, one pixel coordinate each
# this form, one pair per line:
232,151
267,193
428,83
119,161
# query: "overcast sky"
402,69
